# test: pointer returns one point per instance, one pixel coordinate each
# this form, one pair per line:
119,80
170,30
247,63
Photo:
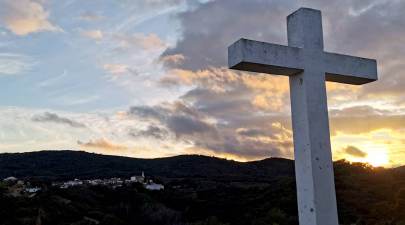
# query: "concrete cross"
308,67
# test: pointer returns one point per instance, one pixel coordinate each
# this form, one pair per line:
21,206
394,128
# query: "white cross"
308,67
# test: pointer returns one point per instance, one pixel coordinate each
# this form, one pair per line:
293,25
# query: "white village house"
154,187
10,179
139,179
112,182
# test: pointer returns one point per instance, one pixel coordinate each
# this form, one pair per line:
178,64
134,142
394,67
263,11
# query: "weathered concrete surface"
276,59
308,67
349,69
264,57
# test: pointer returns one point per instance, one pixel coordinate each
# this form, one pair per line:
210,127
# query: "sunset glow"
151,80
377,159
374,158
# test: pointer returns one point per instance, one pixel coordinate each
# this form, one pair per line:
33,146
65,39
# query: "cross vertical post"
312,148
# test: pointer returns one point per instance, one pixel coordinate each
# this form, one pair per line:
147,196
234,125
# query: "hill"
77,164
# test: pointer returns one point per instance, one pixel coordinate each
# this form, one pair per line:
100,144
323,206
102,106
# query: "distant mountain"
54,165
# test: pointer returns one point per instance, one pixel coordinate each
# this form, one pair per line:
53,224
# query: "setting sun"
378,158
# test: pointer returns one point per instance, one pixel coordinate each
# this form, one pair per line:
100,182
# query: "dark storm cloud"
242,129
183,125
148,112
225,106
180,119
251,125
251,132
354,151
189,124
266,145
369,28
55,118
152,131
213,26
361,26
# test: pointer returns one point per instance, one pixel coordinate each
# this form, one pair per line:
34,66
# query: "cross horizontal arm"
264,57
349,69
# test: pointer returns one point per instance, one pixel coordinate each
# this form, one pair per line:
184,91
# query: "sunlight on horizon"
377,156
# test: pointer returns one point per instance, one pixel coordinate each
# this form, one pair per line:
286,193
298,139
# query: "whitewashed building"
154,187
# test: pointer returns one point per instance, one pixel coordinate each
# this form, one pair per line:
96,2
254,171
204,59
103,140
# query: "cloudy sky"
148,78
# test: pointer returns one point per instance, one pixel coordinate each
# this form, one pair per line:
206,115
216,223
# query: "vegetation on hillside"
198,191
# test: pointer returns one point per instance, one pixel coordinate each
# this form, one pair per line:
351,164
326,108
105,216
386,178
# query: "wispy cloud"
14,64
50,81
118,69
139,40
55,118
90,16
81,100
105,132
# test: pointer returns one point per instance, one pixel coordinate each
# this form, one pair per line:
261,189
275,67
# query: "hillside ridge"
63,164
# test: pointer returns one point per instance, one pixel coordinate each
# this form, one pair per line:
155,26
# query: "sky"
149,78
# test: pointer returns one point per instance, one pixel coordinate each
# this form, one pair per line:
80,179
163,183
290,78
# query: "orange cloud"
93,34
25,16
172,59
144,41
216,77
265,92
102,144
116,69
366,124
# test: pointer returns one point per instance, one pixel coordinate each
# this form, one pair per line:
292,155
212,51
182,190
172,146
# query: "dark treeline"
198,191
